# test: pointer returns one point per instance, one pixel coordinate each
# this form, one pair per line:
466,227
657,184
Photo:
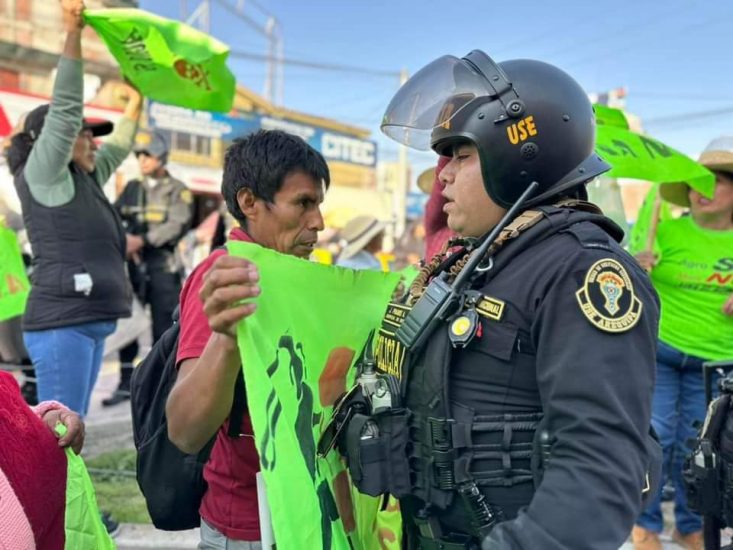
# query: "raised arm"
46,171
116,148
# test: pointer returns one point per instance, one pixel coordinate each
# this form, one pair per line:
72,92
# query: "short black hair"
262,160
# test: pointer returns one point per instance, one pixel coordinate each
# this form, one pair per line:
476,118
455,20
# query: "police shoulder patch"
186,196
607,297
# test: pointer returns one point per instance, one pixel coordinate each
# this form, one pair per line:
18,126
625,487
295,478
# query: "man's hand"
229,281
133,244
646,259
72,15
74,436
728,306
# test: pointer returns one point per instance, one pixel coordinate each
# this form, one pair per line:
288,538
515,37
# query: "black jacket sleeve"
596,388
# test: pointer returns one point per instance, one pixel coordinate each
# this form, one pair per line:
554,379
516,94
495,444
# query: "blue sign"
333,146
415,205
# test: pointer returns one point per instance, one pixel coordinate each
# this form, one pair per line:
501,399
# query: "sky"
672,56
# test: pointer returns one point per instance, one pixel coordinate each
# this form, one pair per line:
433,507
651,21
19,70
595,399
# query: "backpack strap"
239,406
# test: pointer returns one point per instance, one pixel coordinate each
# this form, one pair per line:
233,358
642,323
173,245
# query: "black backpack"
171,481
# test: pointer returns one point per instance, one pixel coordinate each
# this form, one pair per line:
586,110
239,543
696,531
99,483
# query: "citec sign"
333,146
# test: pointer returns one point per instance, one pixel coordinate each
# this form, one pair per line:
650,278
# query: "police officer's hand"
133,244
229,281
728,306
646,259
74,436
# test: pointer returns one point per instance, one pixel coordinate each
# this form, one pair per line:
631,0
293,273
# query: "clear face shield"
431,99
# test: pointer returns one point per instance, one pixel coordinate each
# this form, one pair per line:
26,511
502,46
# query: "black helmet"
529,120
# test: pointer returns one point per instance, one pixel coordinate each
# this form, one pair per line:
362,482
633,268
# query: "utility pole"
400,196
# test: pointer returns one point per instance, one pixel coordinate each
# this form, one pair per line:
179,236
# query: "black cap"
35,119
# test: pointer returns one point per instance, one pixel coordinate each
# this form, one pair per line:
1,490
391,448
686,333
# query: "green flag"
167,60
636,156
14,284
311,322
83,527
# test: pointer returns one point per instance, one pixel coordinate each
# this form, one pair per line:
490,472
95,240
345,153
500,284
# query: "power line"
685,117
677,97
314,64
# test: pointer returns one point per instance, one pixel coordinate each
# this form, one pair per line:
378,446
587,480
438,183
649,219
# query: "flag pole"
652,233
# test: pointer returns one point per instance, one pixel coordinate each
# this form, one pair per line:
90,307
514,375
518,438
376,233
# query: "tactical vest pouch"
376,448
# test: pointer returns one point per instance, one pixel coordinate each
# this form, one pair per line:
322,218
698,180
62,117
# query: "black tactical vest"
78,258
475,412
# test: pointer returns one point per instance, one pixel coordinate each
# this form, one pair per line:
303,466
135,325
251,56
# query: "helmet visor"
431,98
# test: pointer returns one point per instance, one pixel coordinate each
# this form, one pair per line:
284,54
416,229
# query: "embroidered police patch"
607,298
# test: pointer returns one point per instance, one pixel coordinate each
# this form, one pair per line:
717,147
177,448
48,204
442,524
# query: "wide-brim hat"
358,233
717,156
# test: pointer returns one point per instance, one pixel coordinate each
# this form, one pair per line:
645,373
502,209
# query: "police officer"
156,212
507,398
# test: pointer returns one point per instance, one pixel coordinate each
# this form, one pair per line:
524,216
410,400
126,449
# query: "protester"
362,239
273,184
437,232
33,469
79,287
691,272
156,212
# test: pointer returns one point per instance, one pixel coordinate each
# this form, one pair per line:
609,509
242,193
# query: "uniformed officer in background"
156,212
514,414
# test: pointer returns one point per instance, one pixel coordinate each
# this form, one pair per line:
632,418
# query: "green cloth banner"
167,60
297,349
83,527
636,156
14,284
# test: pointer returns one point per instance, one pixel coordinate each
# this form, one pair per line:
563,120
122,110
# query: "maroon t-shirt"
230,502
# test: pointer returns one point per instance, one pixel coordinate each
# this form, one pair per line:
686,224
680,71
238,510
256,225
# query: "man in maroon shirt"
273,184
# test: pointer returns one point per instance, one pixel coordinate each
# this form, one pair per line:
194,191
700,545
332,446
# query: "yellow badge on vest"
607,297
492,308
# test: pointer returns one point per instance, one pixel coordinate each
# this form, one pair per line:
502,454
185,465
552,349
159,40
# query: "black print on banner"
620,148
305,420
136,52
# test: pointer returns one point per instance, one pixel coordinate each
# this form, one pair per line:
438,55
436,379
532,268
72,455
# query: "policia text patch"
390,353
607,297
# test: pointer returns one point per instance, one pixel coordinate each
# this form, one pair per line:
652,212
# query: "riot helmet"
529,121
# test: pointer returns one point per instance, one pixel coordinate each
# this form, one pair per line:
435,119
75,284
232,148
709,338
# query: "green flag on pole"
167,60
14,284
633,155
297,350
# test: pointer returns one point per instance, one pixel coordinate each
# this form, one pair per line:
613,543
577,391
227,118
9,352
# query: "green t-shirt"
694,278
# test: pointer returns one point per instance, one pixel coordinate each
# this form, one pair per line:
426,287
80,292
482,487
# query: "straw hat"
358,232
426,179
718,155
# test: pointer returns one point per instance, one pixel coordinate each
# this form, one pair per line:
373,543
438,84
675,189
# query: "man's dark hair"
261,161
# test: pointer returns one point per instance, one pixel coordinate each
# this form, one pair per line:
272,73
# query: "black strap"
239,406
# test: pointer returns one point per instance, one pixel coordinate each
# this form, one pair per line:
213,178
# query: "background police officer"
156,212
523,420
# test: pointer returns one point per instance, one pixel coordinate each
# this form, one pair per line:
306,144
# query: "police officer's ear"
249,205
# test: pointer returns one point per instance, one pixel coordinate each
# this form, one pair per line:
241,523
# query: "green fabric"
641,157
640,231
83,525
311,321
167,60
14,284
693,278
